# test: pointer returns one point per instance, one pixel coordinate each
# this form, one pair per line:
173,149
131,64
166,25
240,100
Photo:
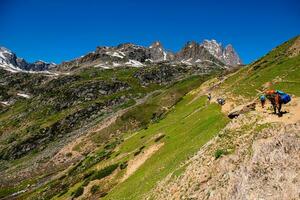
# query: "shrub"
88,174
112,145
78,192
142,147
104,172
219,153
137,152
95,188
159,138
69,154
123,165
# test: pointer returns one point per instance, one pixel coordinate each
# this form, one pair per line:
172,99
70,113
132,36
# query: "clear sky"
58,30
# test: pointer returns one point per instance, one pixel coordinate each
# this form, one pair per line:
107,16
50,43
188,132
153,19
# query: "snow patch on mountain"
226,55
134,63
23,95
10,62
118,54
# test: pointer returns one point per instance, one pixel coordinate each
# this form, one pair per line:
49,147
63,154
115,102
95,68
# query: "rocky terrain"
42,112
256,156
10,62
205,54
100,125
202,55
247,160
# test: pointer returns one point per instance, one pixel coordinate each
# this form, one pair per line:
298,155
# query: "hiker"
221,101
277,98
209,96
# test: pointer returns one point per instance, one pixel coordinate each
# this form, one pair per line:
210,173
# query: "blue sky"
58,30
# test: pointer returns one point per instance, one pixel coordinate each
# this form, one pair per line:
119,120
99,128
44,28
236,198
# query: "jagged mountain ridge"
129,54
132,55
10,62
117,128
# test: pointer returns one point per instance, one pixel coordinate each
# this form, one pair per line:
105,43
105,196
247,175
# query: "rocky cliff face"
226,55
193,53
10,62
132,55
137,56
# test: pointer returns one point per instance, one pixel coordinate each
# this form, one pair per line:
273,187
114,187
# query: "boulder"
241,110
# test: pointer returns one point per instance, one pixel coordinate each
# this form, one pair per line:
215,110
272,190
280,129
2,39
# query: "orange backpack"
270,92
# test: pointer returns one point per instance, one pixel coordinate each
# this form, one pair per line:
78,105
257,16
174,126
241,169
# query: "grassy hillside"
61,108
151,139
246,158
186,128
151,111
276,70
279,69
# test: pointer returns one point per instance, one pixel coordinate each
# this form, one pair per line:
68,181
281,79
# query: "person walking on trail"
209,96
277,98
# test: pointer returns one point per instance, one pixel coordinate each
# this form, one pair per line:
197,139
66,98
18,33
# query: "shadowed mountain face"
132,55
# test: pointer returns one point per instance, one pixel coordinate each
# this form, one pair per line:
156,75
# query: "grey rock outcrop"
131,55
241,110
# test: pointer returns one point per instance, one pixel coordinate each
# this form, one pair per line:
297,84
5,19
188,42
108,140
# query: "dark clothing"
275,101
209,97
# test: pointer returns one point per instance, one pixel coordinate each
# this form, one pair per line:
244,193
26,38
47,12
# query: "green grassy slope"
150,112
277,67
172,117
187,127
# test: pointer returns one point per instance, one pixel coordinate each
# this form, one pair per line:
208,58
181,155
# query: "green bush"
159,138
137,152
123,165
104,172
219,153
95,188
78,192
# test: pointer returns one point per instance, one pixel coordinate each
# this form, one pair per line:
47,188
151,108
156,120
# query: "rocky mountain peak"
10,62
213,47
157,52
230,56
5,50
191,44
226,55
210,52
155,44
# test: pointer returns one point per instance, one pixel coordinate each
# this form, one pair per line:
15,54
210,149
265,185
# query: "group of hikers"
276,97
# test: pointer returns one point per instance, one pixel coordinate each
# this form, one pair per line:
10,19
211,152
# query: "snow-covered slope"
10,62
7,60
227,55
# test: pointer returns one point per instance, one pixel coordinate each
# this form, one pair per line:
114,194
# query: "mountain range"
127,54
132,122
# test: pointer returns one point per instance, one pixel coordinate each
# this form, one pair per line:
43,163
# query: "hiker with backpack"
209,96
277,98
